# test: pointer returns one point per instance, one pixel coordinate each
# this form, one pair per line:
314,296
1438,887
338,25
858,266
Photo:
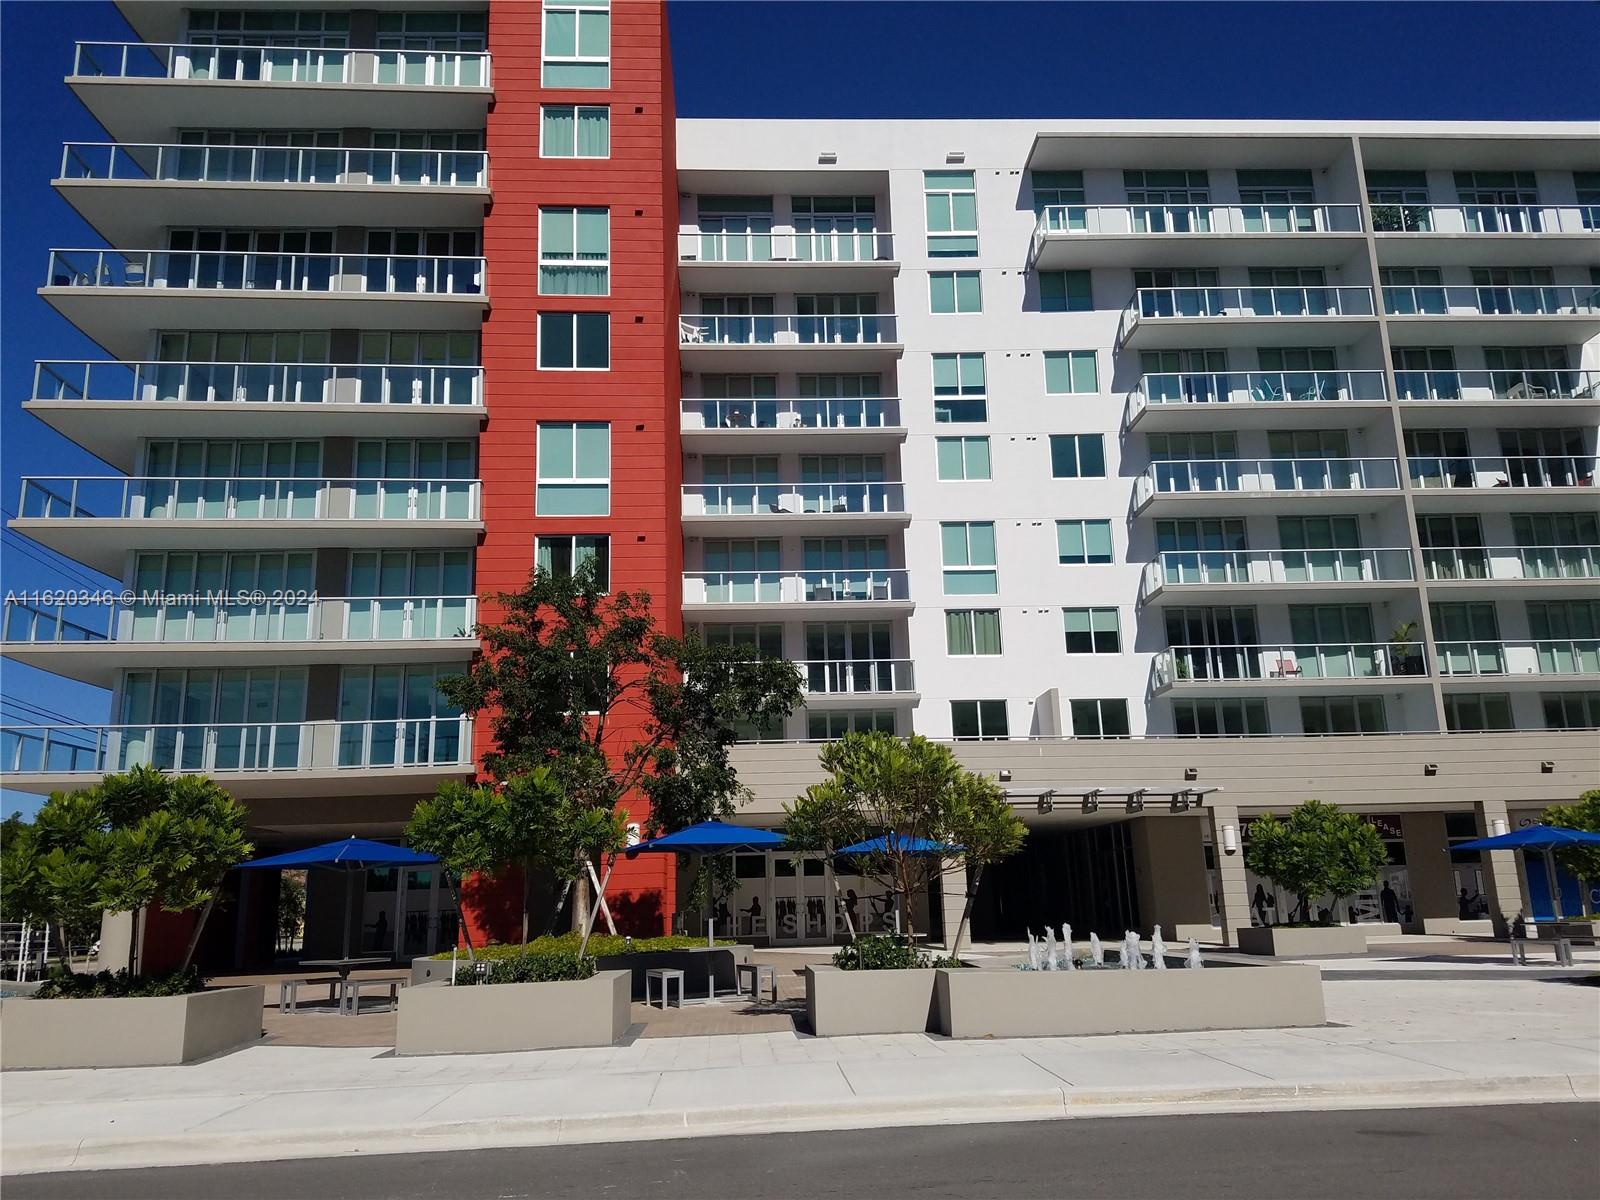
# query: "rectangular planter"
698,963
436,1018
1313,942
137,1031
1456,927
1003,1003
840,1003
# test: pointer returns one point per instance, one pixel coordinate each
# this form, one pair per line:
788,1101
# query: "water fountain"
1193,961
1050,963
1066,949
1158,950
1097,952
1131,959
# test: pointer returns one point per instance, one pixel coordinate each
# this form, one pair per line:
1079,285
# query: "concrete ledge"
971,1004
135,1031
437,1018
1455,927
696,962
841,1003
1283,941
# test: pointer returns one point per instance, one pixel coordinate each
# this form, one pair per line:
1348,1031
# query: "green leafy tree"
1582,861
908,789
1317,849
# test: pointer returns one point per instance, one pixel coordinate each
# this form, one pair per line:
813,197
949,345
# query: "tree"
1317,849
988,829
908,790
1582,861
582,682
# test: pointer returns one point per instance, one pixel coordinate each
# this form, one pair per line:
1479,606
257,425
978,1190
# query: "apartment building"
1177,471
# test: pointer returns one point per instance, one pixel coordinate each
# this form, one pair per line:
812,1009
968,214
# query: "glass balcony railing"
257,615
285,746
1485,218
822,246
833,677
1286,663
1491,300
830,412
1265,387
741,499
186,498
258,383
1183,303
853,584
1465,563
1517,471
1554,656
1191,476
1287,567
282,64
214,270
1497,385
189,163
787,329
1271,219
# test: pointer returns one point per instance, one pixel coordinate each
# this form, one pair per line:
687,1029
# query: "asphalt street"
1544,1151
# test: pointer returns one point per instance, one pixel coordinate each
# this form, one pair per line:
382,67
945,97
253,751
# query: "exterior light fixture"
827,158
1230,839
1005,774
1191,773
1547,766
1430,768
1498,827
1091,801
1047,802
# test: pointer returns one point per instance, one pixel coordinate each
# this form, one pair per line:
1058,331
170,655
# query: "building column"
1506,898
1169,867
1233,896
1433,889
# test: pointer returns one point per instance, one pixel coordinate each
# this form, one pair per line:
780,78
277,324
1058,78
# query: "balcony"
814,594
1505,316
1217,485
1485,234
843,260
1310,668
748,343
1252,399
1520,482
108,407
725,426
1541,663
273,761
1194,235
132,193
95,520
118,296
142,91
773,508
94,642
1191,576
1556,571
1249,316
844,682
1542,395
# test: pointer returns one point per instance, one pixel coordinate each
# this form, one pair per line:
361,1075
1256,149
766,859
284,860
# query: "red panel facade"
638,395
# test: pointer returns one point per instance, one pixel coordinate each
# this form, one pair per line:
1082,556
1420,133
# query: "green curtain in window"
958,632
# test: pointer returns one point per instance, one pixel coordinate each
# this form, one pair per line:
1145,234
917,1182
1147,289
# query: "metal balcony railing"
206,498
258,383
1182,303
1452,563
210,270
1289,662
1288,567
1517,471
1552,656
1497,385
1266,387
190,163
1485,218
796,587
787,329
830,412
1189,476
825,246
257,615
280,747
831,677
1491,300
1270,219
789,499
282,64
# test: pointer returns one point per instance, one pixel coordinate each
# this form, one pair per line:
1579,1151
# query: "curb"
102,1154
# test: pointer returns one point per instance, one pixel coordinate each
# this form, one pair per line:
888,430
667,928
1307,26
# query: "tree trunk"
966,912
555,913
199,928
461,917
839,900
527,885
580,900
133,943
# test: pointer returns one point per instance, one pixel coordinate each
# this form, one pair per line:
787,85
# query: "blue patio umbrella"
1544,838
901,842
351,855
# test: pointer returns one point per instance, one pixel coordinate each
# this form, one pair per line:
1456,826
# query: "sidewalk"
1397,1041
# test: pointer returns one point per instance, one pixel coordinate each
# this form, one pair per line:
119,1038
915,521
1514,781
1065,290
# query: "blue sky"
1519,61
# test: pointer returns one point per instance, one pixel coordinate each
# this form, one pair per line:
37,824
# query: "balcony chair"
1286,668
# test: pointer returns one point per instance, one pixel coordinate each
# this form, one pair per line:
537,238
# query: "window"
563,555
972,631
1070,372
1093,630
969,558
1058,199
952,207
1477,712
1077,456
1169,202
574,341
963,458
959,389
765,640
1099,718
1064,291
955,292
1587,184
577,44
1220,718
574,251
984,719
574,470
575,131
826,726
1342,714
1082,542
1571,710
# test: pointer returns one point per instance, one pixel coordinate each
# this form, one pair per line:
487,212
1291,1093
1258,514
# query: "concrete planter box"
1283,941
1455,927
136,1031
436,1018
1003,1003
840,1003
696,963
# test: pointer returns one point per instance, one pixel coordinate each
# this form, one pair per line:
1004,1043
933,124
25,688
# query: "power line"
65,566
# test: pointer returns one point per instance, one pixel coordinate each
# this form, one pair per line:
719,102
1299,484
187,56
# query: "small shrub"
882,952
548,967
65,985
